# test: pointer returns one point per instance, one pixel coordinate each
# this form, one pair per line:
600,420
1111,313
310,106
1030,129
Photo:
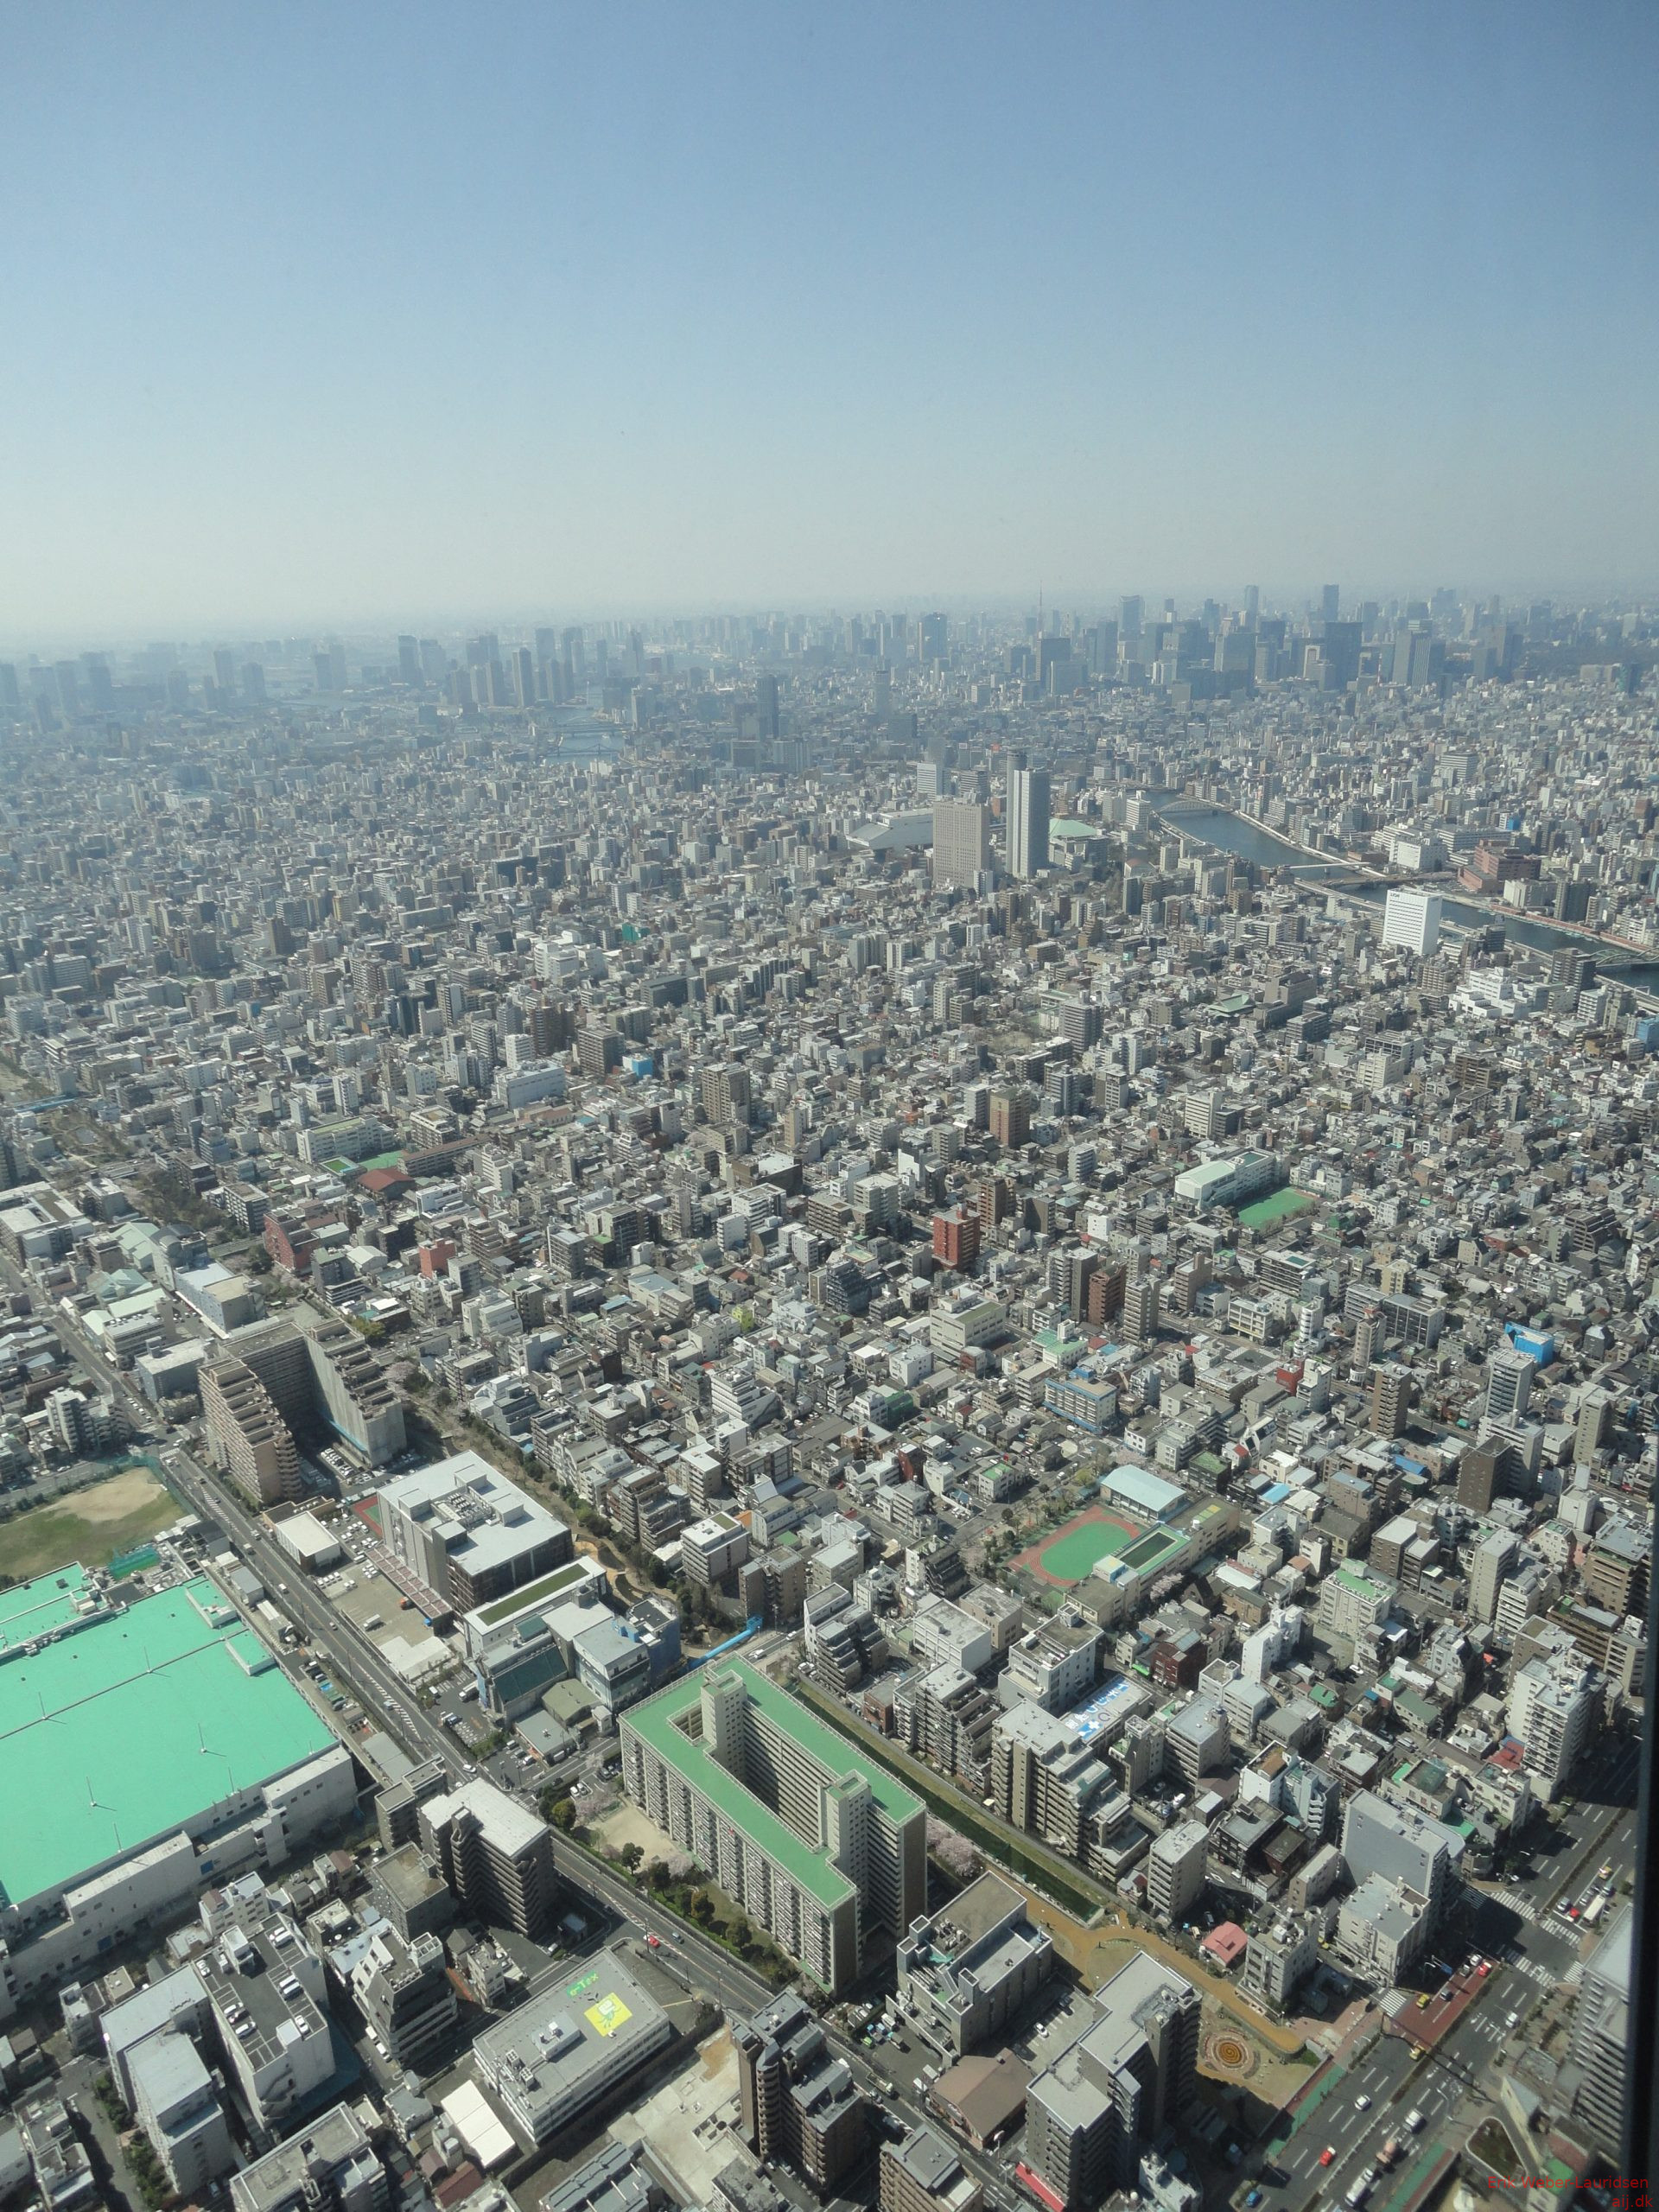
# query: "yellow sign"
608,2015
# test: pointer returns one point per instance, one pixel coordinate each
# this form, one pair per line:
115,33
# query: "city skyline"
760,311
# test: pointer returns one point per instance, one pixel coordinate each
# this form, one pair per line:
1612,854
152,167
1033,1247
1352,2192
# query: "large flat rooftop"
120,1732
39,1607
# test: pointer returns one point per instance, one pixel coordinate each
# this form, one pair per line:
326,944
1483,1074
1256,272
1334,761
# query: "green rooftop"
1149,1552
37,1608
654,1722
116,1735
533,1593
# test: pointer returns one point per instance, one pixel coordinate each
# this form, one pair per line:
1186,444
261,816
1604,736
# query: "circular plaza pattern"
1228,2053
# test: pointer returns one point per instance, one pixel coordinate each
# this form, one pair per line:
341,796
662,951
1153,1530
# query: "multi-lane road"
684,1952
352,1658
1535,1952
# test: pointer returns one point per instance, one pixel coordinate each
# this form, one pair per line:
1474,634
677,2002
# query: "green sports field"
1266,1211
1069,1552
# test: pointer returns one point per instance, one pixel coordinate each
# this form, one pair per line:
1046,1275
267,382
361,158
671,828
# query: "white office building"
1411,919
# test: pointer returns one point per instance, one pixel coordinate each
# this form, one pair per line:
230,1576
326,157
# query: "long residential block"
817,1851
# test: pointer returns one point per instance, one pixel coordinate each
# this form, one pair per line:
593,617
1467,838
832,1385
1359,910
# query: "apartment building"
713,1550
1552,1713
247,1437
771,1801
404,1994
264,1990
1130,2077
1175,1869
966,1974
330,2162
1594,2079
176,2101
494,1853
798,2102
1401,1845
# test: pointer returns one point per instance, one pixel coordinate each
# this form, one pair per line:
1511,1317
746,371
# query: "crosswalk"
1531,1967
1515,1899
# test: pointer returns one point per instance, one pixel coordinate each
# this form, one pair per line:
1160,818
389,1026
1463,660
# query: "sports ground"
1068,1553
1266,1211
95,1524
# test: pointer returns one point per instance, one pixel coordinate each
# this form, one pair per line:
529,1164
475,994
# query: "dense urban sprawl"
803,1409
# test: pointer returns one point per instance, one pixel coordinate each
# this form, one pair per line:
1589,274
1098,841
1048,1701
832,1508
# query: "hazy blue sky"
324,314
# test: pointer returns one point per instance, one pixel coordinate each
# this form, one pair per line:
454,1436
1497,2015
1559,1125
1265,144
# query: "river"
1231,833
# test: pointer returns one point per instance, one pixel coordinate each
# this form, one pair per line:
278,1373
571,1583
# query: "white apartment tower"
1028,817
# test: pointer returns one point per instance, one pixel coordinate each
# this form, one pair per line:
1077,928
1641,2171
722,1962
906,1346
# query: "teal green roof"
36,1608
654,1723
117,1734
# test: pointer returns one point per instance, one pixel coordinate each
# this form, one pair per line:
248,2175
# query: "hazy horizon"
394,318
512,620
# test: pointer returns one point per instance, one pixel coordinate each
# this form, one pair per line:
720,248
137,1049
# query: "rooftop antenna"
209,1750
94,1805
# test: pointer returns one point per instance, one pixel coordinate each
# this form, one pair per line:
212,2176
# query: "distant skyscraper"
1252,604
1131,615
765,703
932,633
961,843
224,670
99,683
1330,602
253,684
409,663
1412,919
1028,818
523,678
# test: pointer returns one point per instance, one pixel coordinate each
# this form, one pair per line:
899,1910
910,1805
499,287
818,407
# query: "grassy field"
91,1525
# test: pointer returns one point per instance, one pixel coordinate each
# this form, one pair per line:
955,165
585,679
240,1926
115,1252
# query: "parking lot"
378,1611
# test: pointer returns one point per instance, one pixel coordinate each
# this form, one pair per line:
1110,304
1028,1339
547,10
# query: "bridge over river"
1225,832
